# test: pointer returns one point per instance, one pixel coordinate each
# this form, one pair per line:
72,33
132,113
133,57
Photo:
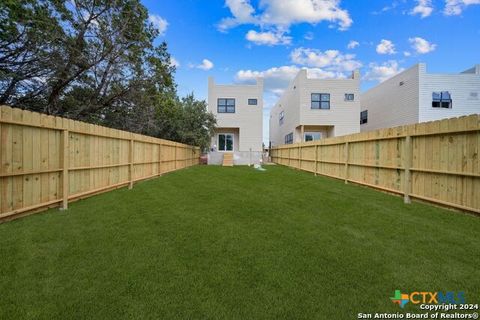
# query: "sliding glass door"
225,142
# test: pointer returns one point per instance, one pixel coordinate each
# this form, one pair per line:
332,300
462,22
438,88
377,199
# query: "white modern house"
312,109
238,109
417,96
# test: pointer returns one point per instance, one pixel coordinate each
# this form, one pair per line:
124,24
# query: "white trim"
218,141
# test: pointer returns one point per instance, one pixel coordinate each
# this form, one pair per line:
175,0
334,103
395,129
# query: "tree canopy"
95,61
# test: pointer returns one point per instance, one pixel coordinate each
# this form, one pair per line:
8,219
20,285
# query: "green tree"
95,61
197,124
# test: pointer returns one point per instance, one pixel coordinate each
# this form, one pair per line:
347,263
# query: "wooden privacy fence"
434,161
48,161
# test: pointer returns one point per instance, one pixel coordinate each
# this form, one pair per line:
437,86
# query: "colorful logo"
400,298
425,297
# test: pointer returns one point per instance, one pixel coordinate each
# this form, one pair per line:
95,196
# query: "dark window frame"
281,118
364,119
225,142
250,102
348,95
225,107
318,104
289,138
442,100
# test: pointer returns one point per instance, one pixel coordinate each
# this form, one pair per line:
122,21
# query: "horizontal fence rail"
47,161
434,161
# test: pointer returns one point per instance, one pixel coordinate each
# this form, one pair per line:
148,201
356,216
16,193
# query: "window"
349,97
441,100
280,119
473,96
252,102
312,136
364,117
226,105
225,142
320,101
289,138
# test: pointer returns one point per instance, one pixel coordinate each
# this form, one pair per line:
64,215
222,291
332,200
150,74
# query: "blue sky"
237,40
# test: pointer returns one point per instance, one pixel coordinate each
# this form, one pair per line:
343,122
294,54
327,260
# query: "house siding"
390,104
343,115
247,118
458,85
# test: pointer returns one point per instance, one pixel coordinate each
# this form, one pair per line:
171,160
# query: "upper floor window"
349,97
441,100
252,102
320,101
225,105
364,117
281,118
289,138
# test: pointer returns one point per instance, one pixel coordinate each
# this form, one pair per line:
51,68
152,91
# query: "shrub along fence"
48,161
434,161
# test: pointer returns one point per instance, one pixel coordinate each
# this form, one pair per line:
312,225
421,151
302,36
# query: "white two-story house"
313,109
414,96
238,109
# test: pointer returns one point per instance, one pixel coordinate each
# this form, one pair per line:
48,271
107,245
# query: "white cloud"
424,8
205,65
455,7
331,60
159,23
387,8
386,47
422,46
277,79
384,71
268,38
281,14
407,53
353,44
174,62
242,12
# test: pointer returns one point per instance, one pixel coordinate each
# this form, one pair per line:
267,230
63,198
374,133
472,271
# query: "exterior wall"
239,158
390,104
343,116
248,119
236,137
458,85
288,103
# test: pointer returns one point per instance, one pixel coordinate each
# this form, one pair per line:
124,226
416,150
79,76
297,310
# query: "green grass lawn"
234,243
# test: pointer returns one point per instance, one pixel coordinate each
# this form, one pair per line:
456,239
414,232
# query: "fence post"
184,156
316,159
160,159
300,157
175,157
289,156
346,151
130,160
407,183
65,177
